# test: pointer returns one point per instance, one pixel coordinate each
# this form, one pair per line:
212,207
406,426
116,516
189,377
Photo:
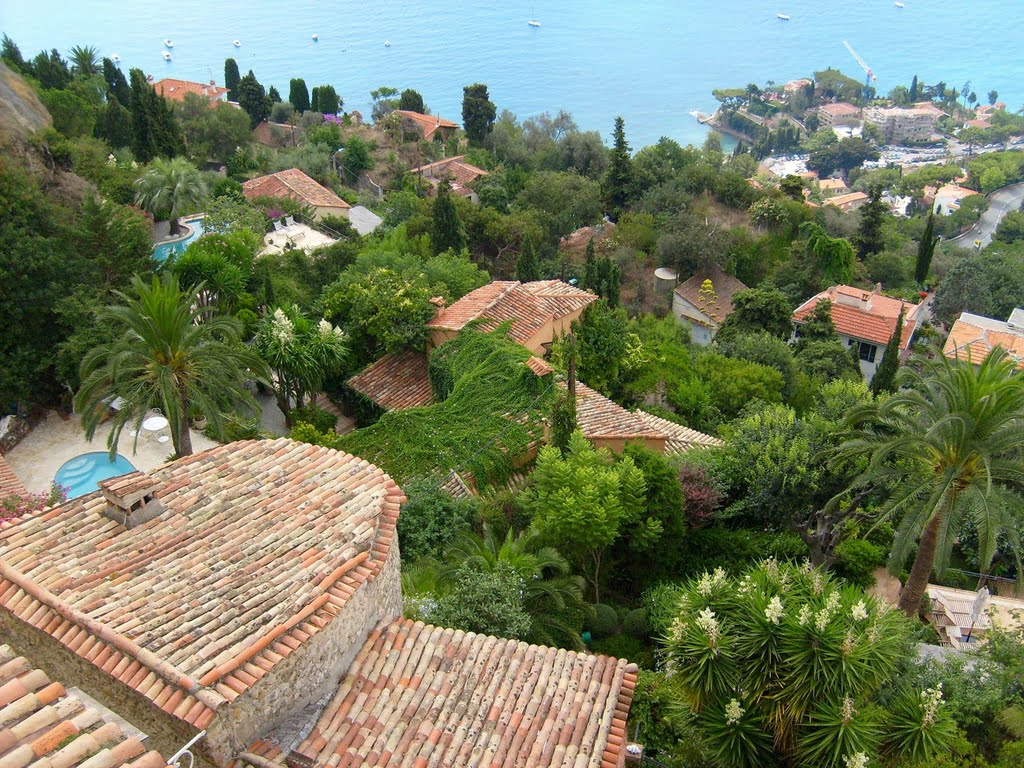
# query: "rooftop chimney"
437,301
131,499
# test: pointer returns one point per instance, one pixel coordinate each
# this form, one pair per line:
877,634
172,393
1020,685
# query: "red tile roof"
539,366
599,417
847,201
863,314
420,695
277,134
840,109
427,123
175,90
260,545
974,337
529,306
42,725
680,438
451,168
10,485
725,286
295,184
395,382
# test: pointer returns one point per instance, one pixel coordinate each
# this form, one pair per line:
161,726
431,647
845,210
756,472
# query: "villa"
175,90
865,319
949,197
456,171
428,127
247,598
298,186
851,201
975,337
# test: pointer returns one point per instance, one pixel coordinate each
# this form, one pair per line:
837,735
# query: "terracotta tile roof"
863,314
276,134
454,168
539,366
420,695
847,201
529,306
840,109
831,185
427,123
395,382
42,725
260,545
10,485
973,337
680,438
295,184
725,286
175,90
599,417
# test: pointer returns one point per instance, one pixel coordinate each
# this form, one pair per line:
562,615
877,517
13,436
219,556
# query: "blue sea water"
651,61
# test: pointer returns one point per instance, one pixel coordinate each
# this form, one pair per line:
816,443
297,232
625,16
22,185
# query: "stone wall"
12,429
312,670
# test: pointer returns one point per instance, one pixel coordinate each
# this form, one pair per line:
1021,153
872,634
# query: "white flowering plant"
783,666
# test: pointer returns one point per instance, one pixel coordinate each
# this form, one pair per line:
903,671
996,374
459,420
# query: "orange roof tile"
839,109
295,184
427,123
974,337
847,201
228,573
395,382
10,485
863,314
539,366
42,724
175,90
599,417
421,695
451,168
829,185
527,305
680,438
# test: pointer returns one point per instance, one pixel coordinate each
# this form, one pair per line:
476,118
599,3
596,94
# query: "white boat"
387,43
115,58
168,43
899,5
237,43
533,23
167,55
782,16
316,37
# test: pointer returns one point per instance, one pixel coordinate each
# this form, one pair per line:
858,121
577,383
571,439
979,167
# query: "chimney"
634,753
437,301
131,499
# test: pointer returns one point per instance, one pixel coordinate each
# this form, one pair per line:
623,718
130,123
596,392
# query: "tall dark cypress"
590,268
298,95
447,233
618,180
231,78
116,83
925,250
141,117
884,379
527,265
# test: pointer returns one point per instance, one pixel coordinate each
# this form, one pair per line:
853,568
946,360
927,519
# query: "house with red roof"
175,90
429,127
297,185
865,320
975,337
456,171
703,301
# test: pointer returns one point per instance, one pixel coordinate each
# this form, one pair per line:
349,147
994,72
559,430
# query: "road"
1000,203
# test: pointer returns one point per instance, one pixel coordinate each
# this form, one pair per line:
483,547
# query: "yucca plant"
783,665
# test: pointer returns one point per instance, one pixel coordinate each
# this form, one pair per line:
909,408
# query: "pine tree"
590,268
884,379
925,250
411,101
298,95
618,180
913,90
447,233
231,78
527,265
253,99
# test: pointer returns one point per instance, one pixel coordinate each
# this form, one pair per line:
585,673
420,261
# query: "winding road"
1000,203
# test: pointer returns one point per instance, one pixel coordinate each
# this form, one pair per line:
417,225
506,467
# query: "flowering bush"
783,667
13,507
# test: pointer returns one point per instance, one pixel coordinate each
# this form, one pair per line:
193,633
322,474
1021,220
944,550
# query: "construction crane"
870,78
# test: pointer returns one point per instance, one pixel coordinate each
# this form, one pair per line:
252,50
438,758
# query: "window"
867,352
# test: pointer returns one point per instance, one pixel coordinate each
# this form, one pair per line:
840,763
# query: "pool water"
163,251
82,474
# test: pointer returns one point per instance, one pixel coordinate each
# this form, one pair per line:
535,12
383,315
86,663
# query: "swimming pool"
82,474
164,250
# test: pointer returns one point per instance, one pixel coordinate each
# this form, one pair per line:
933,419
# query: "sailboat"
782,16
533,23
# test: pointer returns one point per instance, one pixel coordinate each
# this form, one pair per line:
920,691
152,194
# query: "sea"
650,61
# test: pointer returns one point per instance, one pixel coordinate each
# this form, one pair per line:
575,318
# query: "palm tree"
552,597
85,60
167,359
171,187
946,448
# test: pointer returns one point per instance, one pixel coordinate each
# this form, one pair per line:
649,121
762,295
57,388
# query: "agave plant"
784,666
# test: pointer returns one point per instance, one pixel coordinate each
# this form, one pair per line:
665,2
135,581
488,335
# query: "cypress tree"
478,113
869,238
913,89
274,95
115,125
925,250
268,290
253,99
231,78
563,420
116,83
609,280
618,180
411,101
527,265
590,268
447,233
326,100
298,95
884,379
141,118
314,104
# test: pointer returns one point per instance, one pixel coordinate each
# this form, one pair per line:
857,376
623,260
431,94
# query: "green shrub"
625,647
1011,755
635,623
604,622
662,605
856,560
733,550
305,432
318,418
667,730
431,519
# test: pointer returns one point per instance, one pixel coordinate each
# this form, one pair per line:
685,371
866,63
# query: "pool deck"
36,459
